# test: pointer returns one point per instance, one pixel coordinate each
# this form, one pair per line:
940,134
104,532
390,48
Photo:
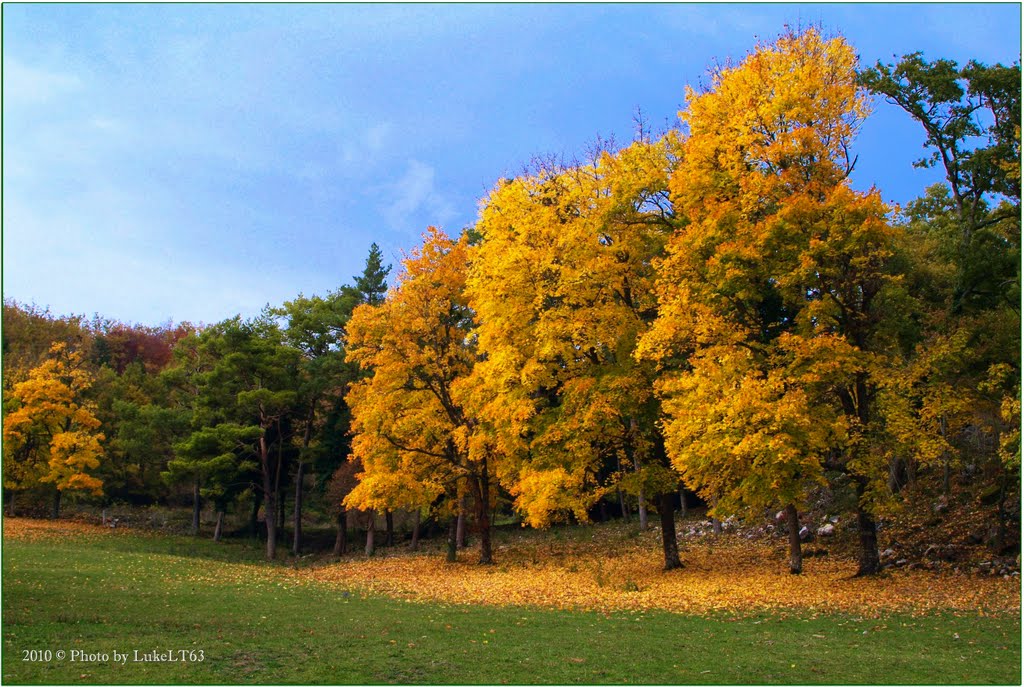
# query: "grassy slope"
144,593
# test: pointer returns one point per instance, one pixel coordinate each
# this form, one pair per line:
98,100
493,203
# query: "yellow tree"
50,433
412,433
780,272
561,283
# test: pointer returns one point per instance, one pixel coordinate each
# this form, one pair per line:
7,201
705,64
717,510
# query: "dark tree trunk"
451,556
603,511
297,511
219,526
371,527
197,504
622,505
270,518
55,513
682,502
482,488
280,513
869,563
389,528
10,504
668,531
795,556
460,525
414,545
341,539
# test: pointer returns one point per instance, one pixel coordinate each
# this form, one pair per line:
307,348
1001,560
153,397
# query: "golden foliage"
51,434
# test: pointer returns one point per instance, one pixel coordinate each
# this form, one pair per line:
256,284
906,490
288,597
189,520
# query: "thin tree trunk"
341,539
622,504
270,518
869,562
460,525
716,524
795,555
196,506
641,500
682,502
297,514
280,512
668,531
55,514
370,532
10,505
389,528
414,545
220,524
297,511
451,556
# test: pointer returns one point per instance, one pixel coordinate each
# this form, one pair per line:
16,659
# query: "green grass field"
127,594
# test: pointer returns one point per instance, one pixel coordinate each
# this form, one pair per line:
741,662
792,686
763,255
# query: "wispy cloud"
26,84
417,199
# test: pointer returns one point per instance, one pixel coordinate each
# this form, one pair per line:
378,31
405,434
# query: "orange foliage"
609,573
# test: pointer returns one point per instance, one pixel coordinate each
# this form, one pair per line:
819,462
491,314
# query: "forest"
709,317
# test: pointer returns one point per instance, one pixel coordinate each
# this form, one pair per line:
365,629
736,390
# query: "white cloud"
417,199
30,85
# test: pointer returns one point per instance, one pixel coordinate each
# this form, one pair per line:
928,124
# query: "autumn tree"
29,333
562,285
771,295
411,434
51,434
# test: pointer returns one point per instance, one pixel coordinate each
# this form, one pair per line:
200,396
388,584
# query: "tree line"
714,309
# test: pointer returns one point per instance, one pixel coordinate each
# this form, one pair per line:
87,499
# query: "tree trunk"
795,556
220,524
297,511
10,505
622,504
641,499
55,514
280,513
270,518
716,524
682,502
370,532
341,539
414,545
460,525
197,504
869,564
389,528
271,488
668,531
451,556
482,488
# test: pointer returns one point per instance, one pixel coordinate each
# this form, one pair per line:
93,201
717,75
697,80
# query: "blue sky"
191,162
